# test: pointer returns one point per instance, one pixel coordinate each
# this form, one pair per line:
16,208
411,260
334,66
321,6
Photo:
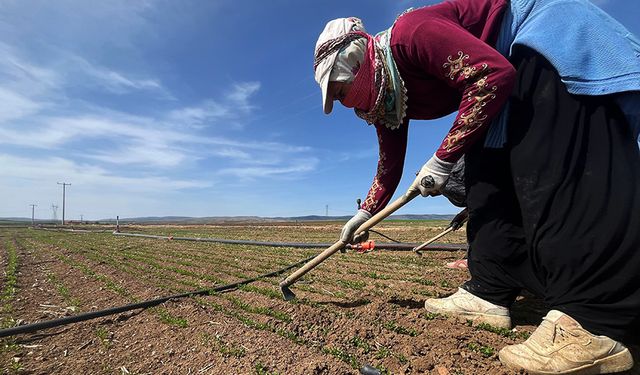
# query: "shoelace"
552,334
558,331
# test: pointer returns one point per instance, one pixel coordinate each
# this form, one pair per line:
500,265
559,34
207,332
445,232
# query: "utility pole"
81,219
54,208
33,218
64,189
326,210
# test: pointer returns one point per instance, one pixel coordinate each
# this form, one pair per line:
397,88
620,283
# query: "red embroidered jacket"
446,57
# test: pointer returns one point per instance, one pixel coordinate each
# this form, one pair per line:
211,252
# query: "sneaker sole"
618,362
498,321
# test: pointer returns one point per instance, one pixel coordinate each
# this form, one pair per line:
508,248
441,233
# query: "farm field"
353,310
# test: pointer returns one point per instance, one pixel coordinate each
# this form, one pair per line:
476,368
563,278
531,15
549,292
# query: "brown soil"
355,309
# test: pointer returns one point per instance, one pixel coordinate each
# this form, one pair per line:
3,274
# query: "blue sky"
195,108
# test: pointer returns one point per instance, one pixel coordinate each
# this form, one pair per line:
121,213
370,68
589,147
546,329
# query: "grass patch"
383,353
445,284
253,324
261,369
426,293
486,351
104,336
431,316
11,273
504,332
259,310
402,359
392,325
274,294
343,356
10,287
360,343
167,317
64,291
108,283
268,292
352,284
226,349
424,282
377,276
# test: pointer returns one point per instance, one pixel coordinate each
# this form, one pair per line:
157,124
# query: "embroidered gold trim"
370,203
457,65
381,159
480,95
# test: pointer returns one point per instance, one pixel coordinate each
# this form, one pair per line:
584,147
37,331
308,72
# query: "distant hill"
227,219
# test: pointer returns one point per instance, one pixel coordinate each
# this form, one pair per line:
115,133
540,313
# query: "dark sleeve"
392,149
480,73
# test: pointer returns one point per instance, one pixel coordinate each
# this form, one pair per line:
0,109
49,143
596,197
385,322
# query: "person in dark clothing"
547,126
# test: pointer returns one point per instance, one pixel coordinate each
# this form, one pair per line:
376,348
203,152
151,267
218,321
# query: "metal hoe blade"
369,370
287,294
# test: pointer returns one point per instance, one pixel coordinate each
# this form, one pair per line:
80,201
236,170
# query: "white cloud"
23,76
14,106
231,153
199,116
53,108
241,93
140,154
66,69
253,172
111,80
234,105
53,169
133,140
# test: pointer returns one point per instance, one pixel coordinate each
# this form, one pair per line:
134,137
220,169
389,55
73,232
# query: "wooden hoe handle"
375,219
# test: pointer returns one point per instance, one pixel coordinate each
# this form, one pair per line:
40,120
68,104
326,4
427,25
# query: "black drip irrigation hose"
386,246
28,328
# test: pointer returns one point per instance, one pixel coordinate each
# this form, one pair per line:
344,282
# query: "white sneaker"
561,346
466,306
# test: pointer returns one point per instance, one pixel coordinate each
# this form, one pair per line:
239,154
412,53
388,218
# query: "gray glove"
432,177
353,224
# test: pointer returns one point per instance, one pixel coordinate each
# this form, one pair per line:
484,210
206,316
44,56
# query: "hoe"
339,245
456,223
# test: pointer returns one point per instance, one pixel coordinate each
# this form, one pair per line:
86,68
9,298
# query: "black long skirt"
557,211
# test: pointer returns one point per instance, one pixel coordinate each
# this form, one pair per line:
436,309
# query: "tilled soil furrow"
42,279
367,273
346,285
345,262
184,272
354,309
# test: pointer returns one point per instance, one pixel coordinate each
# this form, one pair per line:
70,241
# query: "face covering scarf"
377,93
348,61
